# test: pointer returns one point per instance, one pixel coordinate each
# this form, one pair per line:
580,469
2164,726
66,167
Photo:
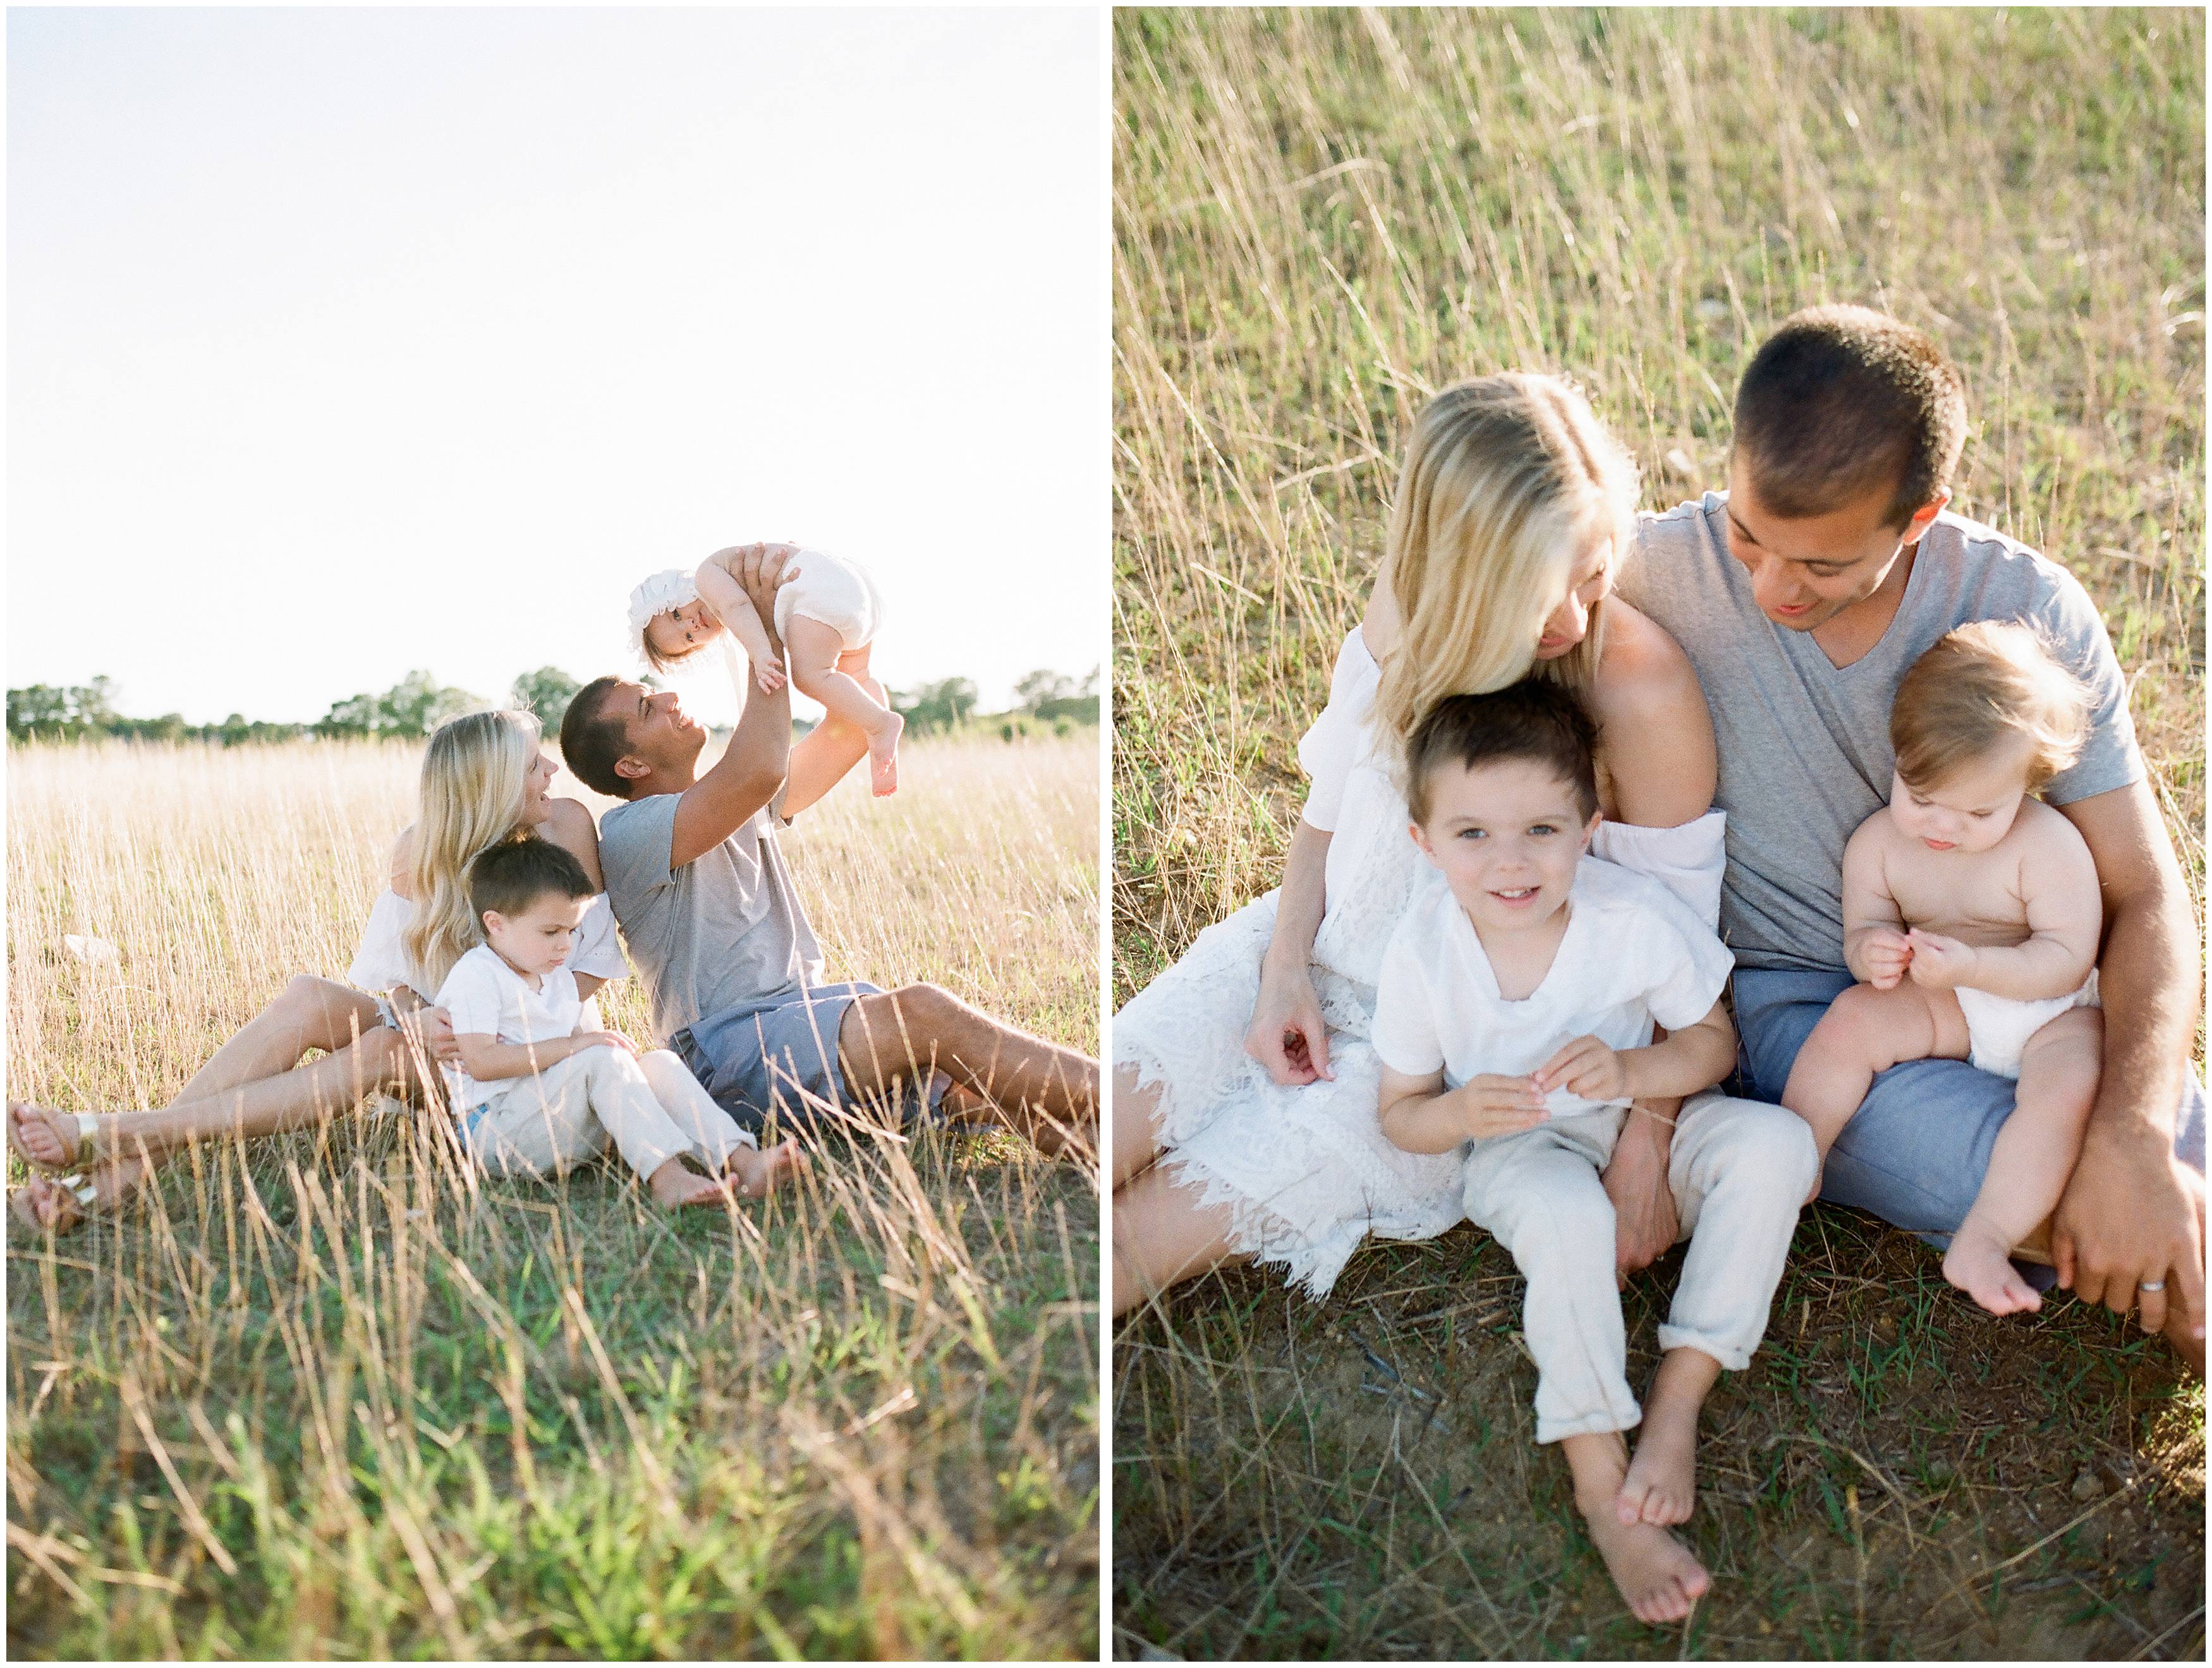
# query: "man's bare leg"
1047,1092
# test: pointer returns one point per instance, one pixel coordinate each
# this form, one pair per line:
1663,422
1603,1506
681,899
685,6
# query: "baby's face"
676,632
1971,809
1507,836
536,940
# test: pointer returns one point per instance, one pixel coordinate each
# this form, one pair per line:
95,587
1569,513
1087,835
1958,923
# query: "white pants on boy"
1740,1171
651,1108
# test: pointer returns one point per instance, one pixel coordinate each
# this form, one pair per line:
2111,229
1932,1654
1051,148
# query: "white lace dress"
1306,1171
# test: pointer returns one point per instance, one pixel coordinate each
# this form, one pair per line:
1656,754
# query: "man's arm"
2126,1217
750,771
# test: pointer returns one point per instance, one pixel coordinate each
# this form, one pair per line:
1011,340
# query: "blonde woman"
1245,1089
483,779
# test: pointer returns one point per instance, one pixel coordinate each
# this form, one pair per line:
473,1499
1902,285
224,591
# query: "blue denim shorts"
779,1055
1916,1153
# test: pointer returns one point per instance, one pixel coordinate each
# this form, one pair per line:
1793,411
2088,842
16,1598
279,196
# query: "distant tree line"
418,704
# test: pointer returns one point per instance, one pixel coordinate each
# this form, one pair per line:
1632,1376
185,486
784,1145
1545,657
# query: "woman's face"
537,800
1569,623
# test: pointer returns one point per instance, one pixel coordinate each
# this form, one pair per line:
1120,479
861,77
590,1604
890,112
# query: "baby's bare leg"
1864,1033
2028,1166
823,668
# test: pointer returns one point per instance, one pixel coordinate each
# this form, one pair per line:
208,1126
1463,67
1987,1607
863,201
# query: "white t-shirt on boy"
488,998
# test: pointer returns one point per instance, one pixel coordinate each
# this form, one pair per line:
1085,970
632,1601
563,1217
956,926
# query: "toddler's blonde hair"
475,776
1979,685
1509,479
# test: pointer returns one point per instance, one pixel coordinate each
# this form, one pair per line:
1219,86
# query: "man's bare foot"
1662,1485
1979,1264
759,1173
676,1187
58,1204
883,753
42,1137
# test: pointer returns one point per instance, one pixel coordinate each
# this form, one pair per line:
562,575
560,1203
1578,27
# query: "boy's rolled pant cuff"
1733,1358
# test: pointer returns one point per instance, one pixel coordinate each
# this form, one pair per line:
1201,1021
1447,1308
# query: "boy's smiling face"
1506,835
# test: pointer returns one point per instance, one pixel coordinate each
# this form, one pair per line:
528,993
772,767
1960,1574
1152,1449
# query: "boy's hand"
1888,953
1940,963
606,1040
1586,1067
1489,1106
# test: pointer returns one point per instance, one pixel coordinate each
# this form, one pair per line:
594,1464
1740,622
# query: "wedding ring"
2152,1285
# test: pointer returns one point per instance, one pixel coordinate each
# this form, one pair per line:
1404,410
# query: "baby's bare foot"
1662,1484
1979,1264
1658,1576
759,1173
883,754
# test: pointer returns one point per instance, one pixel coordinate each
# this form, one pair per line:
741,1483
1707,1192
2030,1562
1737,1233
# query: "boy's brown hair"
1534,719
1977,685
1843,401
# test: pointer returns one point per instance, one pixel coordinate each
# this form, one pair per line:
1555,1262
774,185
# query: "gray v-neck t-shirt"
727,928
1804,744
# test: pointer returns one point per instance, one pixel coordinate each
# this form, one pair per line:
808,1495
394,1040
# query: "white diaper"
1998,1027
836,593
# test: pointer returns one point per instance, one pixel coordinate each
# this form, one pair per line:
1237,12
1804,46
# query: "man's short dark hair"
510,876
1535,719
1841,401
592,738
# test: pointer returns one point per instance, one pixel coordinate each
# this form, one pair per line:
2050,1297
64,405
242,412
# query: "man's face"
1806,571
655,727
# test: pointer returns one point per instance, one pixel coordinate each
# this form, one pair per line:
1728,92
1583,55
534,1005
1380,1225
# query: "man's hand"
1940,963
2129,1217
1888,953
760,570
1288,1035
1488,1105
1645,1220
1586,1067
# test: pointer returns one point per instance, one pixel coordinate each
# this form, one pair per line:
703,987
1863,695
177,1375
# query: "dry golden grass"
320,1397
1321,217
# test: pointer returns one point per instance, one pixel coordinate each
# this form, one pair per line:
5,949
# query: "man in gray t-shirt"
1801,596
707,906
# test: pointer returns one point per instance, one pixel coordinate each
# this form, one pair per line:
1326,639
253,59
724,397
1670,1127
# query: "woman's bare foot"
1662,1485
759,1173
883,753
1979,1264
676,1187
56,1204
1658,1576
42,1137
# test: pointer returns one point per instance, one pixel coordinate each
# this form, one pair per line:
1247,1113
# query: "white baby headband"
671,588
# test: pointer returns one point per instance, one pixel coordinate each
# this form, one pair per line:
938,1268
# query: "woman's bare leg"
1136,1136
1163,1236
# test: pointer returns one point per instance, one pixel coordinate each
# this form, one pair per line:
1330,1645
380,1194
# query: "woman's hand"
1288,1035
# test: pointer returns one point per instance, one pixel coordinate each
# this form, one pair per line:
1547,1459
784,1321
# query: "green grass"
1322,217
322,1396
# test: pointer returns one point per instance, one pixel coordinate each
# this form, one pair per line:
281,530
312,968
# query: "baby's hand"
1888,953
1491,1105
607,1040
768,673
1940,963
1588,1068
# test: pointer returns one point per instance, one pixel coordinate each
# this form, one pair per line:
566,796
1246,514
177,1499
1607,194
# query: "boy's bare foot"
42,1137
759,1173
1662,1484
1979,1264
1656,1575
676,1187
883,754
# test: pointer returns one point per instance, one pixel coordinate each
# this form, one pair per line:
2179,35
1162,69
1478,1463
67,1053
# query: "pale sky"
342,343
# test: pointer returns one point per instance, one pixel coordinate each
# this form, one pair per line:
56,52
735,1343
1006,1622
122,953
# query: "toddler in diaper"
826,615
1971,916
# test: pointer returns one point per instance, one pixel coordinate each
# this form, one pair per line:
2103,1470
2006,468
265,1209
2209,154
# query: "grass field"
319,1398
1322,217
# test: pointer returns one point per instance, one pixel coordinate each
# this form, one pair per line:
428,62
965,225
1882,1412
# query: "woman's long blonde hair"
1508,480
475,778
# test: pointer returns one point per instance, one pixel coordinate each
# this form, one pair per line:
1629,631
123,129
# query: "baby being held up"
1971,915
826,615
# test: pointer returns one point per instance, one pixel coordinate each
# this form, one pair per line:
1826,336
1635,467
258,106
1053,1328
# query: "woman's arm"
569,826
1288,1035
1655,733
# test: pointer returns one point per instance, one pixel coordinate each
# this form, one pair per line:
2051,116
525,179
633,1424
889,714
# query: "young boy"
1514,1020
534,1095
1972,915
